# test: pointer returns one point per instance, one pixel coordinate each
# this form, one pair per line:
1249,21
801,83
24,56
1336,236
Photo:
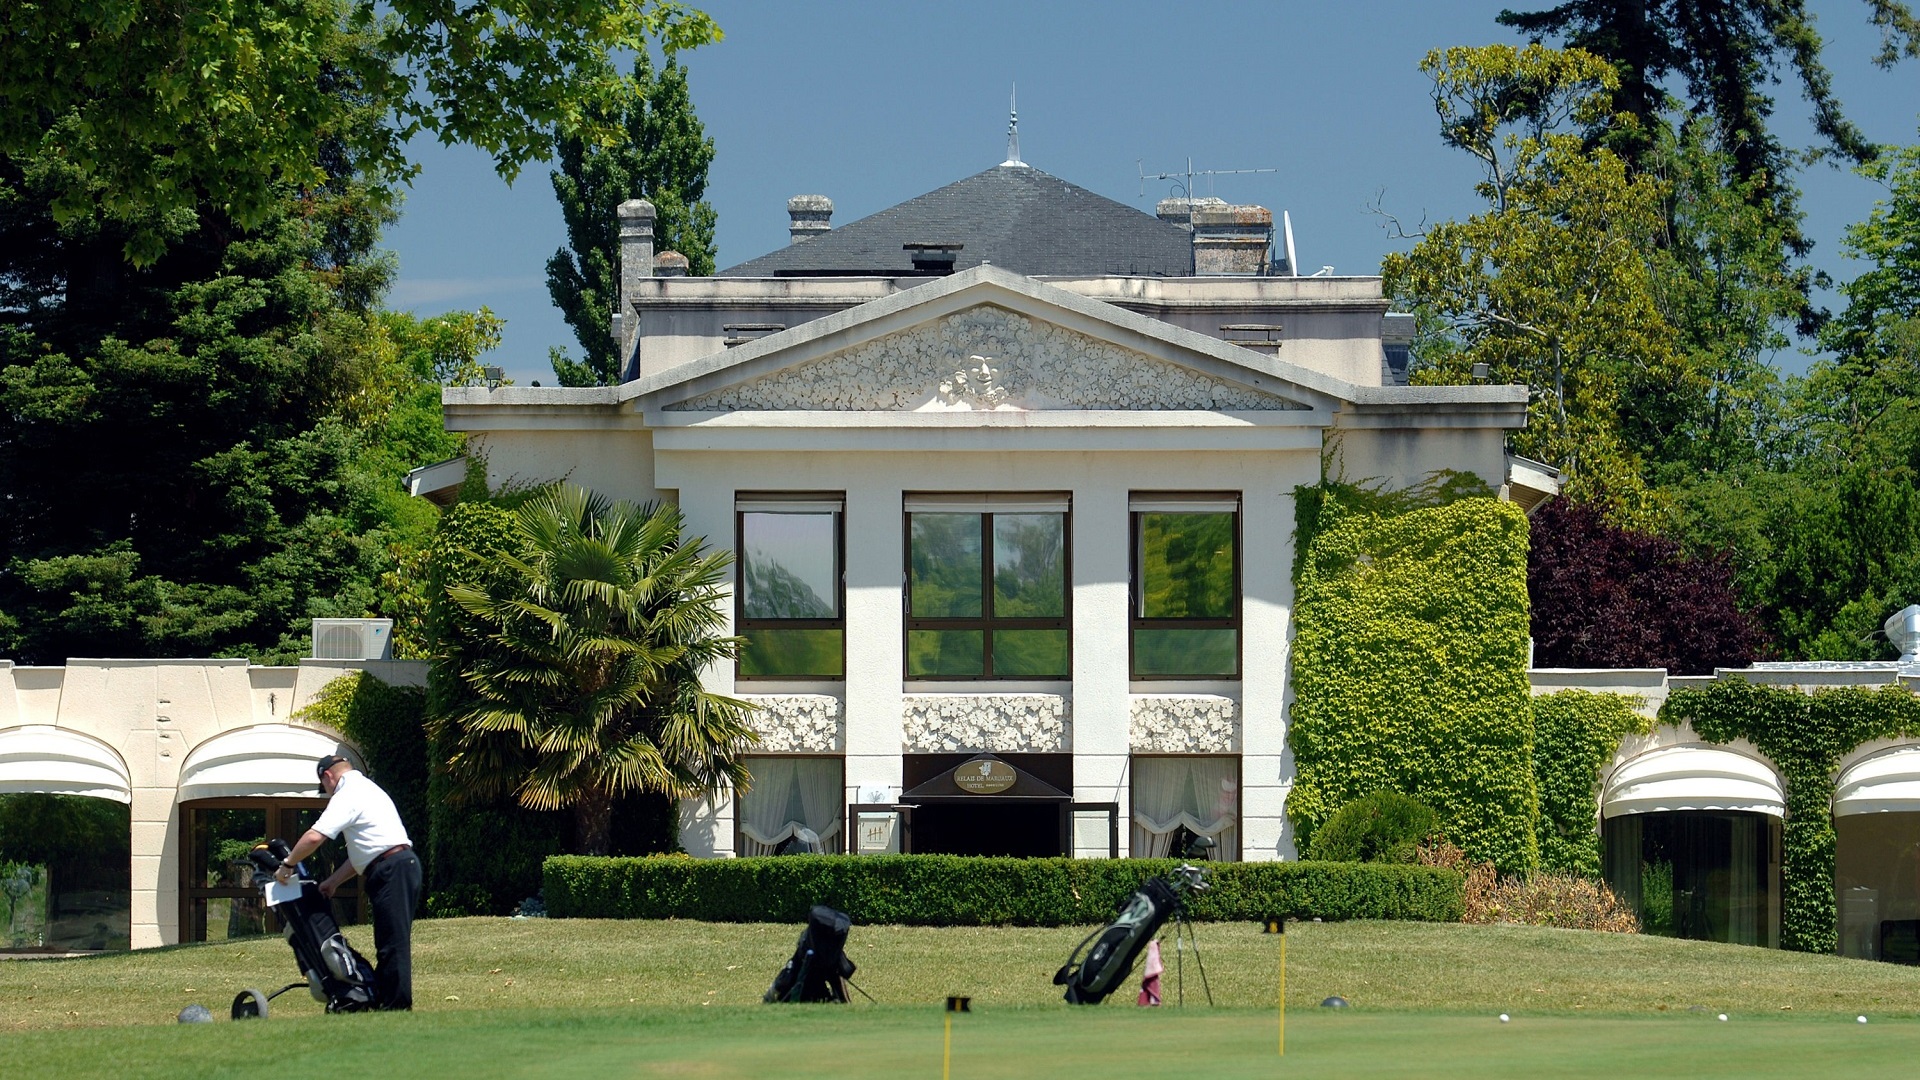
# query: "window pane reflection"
953,653
1186,566
789,566
946,566
1029,566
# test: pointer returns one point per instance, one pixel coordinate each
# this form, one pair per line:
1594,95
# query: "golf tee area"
593,998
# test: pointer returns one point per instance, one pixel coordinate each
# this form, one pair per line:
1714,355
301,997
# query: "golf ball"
1861,1019
1723,1016
1504,1018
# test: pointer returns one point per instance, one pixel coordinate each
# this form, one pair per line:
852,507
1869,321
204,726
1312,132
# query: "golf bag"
819,968
337,976
1118,944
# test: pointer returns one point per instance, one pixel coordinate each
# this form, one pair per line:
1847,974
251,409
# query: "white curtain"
790,794
1200,793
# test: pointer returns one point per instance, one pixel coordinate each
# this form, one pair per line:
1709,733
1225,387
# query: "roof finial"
1013,130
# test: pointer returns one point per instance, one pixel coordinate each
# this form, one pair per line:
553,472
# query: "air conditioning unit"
352,639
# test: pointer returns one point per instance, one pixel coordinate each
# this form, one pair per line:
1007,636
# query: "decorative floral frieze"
797,723
1184,724
986,359
1003,723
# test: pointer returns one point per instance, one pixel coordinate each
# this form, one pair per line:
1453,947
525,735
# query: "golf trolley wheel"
249,1005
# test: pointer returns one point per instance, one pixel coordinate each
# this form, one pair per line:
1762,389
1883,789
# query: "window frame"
1239,800
986,622
739,835
1136,582
744,626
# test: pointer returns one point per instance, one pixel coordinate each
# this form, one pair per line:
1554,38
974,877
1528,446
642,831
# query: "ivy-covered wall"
1410,670
1805,735
1575,734
388,724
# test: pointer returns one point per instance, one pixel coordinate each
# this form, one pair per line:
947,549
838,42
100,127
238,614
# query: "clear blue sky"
874,103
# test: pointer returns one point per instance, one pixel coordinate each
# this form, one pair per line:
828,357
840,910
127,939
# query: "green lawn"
577,997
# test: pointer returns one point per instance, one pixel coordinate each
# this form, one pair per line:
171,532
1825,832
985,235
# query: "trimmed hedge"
955,890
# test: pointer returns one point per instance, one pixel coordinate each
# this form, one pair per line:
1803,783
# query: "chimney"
670,264
1230,239
636,265
810,216
934,259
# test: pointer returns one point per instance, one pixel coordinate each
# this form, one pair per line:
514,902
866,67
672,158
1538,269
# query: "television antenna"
1184,180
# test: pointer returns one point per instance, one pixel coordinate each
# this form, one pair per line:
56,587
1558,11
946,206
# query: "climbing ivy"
1410,671
388,724
1805,735
1575,734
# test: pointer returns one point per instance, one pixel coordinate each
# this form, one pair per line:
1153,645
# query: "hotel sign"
985,777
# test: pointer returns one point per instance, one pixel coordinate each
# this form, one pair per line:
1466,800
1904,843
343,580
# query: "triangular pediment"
986,358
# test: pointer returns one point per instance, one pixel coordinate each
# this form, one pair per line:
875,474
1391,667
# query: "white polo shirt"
366,815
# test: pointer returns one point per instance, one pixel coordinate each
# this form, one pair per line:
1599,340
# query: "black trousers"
393,893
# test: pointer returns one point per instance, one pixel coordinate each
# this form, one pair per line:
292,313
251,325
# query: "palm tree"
586,683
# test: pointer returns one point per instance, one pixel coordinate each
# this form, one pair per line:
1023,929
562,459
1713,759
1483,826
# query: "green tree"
1725,53
1552,284
1726,281
152,109
662,156
585,685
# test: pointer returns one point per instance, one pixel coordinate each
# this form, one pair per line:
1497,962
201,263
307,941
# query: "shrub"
1410,672
388,724
1604,596
1544,898
953,890
1385,826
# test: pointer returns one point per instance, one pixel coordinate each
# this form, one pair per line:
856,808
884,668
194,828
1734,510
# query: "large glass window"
790,597
218,897
1177,797
987,587
1708,875
1186,586
1877,883
65,873
794,805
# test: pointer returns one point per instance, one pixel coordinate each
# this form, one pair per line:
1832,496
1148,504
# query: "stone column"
1266,767
876,732
1101,736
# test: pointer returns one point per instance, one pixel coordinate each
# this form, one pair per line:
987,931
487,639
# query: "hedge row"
955,890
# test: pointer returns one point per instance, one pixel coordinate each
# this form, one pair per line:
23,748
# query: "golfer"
380,852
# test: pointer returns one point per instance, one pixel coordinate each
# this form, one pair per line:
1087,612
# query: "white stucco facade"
987,382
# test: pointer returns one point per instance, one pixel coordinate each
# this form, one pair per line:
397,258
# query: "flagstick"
946,1053
1283,995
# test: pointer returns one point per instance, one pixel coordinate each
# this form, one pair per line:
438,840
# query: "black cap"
320,768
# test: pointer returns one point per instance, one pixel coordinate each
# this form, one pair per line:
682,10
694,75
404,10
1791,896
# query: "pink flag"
1150,986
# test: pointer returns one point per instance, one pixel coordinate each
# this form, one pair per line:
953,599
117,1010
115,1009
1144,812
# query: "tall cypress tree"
664,160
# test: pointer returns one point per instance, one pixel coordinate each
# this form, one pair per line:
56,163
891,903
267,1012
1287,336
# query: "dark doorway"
987,826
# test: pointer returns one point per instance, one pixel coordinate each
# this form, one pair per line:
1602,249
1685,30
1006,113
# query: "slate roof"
1013,216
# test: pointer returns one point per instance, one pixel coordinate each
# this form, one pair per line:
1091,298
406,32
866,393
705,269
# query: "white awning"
1693,778
46,760
269,760
1886,783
